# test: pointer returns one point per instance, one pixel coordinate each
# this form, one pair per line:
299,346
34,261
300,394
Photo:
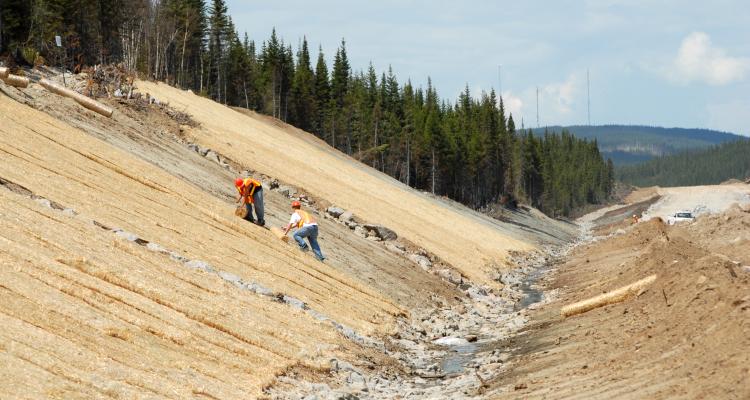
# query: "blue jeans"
258,200
311,233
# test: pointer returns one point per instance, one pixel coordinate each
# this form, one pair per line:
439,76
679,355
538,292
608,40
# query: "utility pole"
537,106
588,96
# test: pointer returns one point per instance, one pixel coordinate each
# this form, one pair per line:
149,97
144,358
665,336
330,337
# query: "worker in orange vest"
306,228
251,194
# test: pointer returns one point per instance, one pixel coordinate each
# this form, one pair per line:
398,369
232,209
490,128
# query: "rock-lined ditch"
448,352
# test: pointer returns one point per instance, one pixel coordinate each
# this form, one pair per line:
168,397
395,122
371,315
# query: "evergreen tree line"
469,150
694,167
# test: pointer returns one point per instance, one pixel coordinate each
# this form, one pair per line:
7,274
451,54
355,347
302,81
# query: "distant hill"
692,167
629,144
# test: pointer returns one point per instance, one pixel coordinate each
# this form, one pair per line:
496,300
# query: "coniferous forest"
694,167
468,149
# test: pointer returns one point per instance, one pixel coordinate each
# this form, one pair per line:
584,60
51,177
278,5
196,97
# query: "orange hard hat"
296,204
238,182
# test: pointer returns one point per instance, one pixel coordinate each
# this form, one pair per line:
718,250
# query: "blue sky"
665,63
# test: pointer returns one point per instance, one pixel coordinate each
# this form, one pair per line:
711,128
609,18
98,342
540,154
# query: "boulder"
346,216
335,211
450,276
382,232
392,247
422,261
359,230
212,156
287,191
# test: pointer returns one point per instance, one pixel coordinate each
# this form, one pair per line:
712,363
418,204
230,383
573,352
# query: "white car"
681,216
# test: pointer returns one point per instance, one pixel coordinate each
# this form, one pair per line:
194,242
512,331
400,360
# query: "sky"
660,63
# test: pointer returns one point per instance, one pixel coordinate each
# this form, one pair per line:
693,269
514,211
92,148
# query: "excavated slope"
293,156
90,312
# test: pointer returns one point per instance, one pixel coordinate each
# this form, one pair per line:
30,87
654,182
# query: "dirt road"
699,199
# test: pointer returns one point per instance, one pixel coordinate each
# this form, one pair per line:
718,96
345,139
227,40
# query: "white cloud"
699,61
560,96
512,103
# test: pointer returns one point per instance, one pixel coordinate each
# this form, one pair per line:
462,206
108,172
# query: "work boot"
261,223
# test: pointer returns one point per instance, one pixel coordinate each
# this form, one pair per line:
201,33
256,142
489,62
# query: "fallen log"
612,297
17,81
86,102
4,72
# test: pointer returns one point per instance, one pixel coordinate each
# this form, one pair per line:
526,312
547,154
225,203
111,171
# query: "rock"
346,216
352,224
274,184
422,261
373,238
156,248
194,147
294,302
126,235
44,202
395,249
230,277
450,341
356,381
471,338
335,211
212,156
382,232
450,276
287,191
360,231
341,365
197,264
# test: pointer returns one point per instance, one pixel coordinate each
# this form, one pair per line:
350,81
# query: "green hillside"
693,167
629,144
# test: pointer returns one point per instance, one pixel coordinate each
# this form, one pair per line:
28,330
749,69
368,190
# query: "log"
279,234
4,72
86,102
612,297
17,81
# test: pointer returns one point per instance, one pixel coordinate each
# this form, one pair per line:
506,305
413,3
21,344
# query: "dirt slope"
298,158
686,336
125,274
85,314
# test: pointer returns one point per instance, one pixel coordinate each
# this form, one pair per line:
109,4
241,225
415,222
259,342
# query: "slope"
298,158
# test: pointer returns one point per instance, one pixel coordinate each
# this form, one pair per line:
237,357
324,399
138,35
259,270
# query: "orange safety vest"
305,218
249,183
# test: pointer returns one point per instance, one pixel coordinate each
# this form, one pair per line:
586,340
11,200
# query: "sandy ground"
295,157
684,337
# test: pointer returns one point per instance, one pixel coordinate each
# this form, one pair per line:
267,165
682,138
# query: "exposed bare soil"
686,336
